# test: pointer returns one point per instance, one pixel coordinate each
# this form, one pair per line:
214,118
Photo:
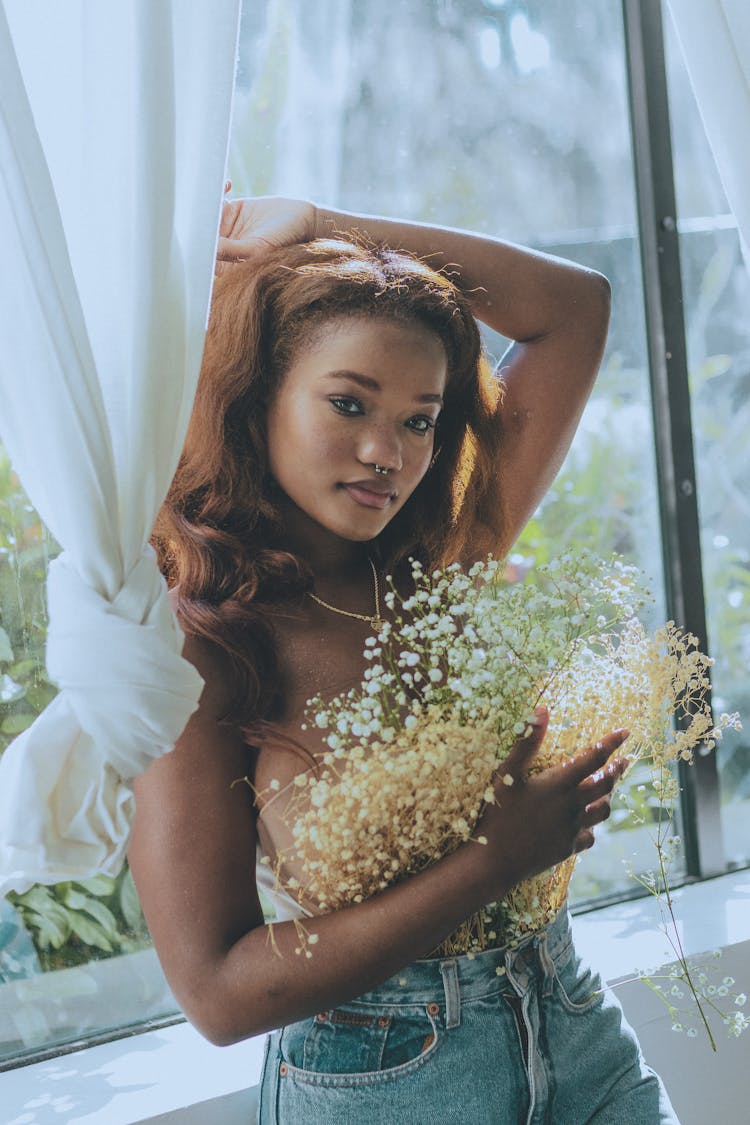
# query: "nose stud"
382,470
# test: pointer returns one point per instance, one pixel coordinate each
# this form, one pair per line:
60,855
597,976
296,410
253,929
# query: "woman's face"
364,392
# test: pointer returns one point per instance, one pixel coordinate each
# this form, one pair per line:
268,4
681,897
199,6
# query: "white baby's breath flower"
418,748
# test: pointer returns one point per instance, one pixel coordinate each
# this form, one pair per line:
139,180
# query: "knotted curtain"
114,127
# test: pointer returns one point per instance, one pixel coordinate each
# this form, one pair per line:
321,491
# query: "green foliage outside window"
73,922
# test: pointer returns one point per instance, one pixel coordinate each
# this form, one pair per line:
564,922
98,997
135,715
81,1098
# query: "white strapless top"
285,907
274,840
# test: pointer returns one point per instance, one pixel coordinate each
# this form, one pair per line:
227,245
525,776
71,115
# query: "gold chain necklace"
373,619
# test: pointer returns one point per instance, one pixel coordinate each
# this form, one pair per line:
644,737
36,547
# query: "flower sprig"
410,756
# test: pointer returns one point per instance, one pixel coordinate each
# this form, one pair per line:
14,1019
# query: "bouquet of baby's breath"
452,681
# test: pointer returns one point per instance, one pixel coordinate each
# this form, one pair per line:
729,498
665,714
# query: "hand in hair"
251,227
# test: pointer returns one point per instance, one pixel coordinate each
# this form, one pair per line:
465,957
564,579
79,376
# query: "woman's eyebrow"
371,384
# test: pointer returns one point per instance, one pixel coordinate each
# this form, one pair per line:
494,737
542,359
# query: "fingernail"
539,716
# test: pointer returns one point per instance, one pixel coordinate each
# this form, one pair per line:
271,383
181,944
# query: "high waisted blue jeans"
509,1037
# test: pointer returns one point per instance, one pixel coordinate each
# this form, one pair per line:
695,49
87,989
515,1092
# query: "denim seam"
451,987
574,1008
370,1077
547,966
270,1093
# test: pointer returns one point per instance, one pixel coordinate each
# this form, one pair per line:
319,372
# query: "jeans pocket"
356,1046
578,989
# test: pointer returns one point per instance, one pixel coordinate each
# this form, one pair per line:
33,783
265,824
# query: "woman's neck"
330,557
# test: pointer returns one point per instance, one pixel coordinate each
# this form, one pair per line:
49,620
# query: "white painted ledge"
173,1077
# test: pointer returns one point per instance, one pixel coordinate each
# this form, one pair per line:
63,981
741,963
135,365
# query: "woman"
346,419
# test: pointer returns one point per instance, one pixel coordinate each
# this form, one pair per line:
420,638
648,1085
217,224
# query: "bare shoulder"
211,662
208,753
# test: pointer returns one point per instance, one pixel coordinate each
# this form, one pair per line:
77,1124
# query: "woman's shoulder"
210,660
209,753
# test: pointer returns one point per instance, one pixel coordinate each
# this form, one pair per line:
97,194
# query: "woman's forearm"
262,983
523,294
259,981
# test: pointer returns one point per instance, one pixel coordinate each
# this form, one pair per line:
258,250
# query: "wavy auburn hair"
218,534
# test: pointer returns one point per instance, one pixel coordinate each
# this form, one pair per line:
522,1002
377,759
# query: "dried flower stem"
411,756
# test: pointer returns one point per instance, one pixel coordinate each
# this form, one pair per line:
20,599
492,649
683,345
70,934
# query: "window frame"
658,236
666,340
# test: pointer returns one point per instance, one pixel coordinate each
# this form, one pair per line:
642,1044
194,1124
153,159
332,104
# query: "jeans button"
433,1009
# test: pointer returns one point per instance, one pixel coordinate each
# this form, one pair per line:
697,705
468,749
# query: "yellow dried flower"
413,754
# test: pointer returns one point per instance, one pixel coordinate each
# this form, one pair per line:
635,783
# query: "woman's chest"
312,663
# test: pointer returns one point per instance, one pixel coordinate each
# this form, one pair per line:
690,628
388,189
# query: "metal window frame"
670,395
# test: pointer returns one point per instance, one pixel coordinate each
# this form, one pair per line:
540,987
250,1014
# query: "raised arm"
556,312
193,859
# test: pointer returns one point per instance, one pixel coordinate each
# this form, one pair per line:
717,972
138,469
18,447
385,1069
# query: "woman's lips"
368,497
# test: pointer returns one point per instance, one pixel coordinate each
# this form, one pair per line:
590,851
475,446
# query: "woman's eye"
421,424
347,405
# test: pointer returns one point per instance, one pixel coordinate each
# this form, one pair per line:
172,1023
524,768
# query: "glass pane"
498,116
716,287
75,959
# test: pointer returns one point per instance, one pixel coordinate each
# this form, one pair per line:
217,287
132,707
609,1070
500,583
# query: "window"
501,116
716,290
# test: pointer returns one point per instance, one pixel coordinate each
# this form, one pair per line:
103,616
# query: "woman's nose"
381,445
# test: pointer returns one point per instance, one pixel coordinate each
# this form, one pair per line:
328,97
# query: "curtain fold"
715,39
114,128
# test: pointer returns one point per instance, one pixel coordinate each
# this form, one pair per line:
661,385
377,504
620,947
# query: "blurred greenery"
509,117
73,922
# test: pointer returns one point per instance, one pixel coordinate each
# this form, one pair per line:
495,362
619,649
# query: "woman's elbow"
592,303
220,1024
218,1009
593,290
221,1034
600,295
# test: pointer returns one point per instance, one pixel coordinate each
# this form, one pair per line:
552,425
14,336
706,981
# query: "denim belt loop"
449,973
546,963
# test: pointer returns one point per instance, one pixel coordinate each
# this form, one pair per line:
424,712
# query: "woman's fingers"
593,758
251,227
583,841
596,791
596,812
603,781
524,749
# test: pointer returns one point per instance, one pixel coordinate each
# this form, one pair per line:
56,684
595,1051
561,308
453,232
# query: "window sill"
173,1077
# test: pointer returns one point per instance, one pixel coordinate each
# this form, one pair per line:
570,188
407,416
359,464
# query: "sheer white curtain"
715,40
114,125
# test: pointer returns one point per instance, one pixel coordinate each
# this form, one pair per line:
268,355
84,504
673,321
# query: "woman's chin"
359,534
361,530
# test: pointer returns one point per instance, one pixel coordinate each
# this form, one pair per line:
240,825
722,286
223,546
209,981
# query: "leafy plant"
75,922
72,922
